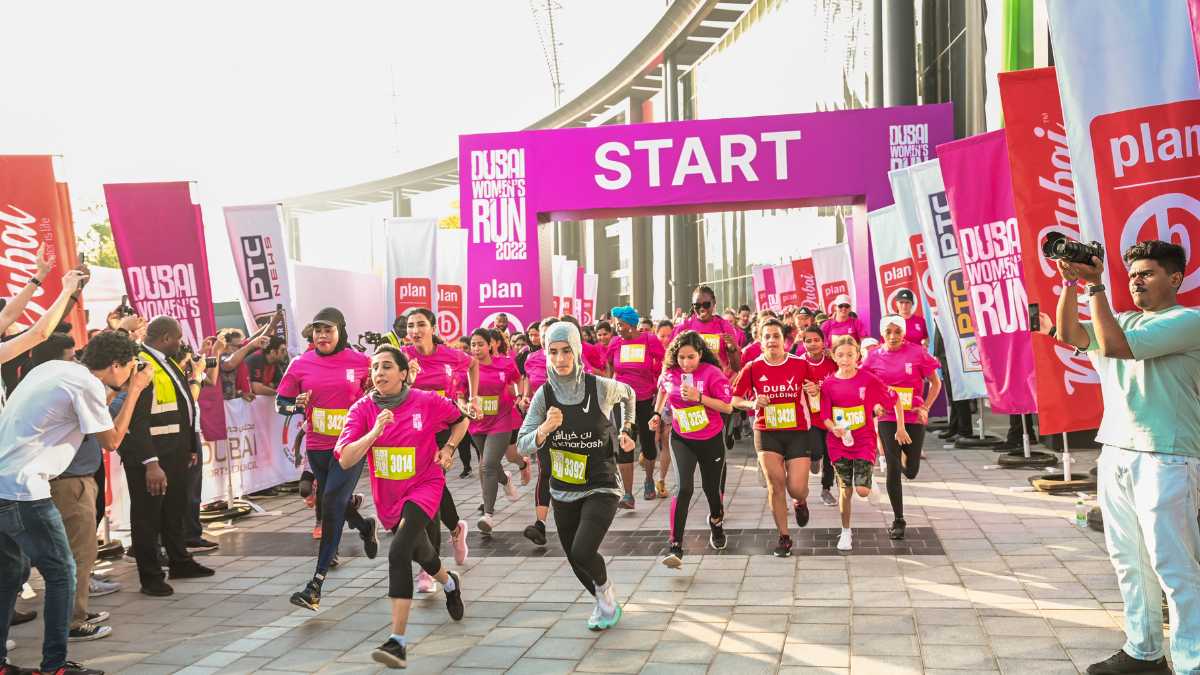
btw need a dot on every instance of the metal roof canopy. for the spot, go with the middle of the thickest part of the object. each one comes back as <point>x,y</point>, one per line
<point>687,30</point>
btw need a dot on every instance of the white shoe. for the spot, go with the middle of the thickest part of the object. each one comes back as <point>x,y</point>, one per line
<point>10,645</point>
<point>844,541</point>
<point>485,524</point>
<point>425,583</point>
<point>510,488</point>
<point>98,587</point>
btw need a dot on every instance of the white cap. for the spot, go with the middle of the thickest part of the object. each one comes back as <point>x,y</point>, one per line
<point>842,299</point>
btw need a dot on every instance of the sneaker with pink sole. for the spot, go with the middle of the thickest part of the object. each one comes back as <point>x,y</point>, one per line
<point>458,539</point>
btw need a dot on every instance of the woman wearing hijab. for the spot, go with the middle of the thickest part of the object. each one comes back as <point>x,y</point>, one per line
<point>569,419</point>
<point>636,359</point>
<point>324,382</point>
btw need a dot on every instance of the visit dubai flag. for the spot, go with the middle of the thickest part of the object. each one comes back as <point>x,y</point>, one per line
<point>1127,75</point>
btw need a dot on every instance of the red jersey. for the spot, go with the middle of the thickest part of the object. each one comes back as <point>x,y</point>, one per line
<point>783,384</point>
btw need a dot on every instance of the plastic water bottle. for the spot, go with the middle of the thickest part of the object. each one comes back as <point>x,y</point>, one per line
<point>1081,513</point>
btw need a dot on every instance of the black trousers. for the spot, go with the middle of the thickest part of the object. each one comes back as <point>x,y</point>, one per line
<point>709,455</point>
<point>960,411</point>
<point>192,529</point>
<point>162,516</point>
<point>1015,431</point>
<point>582,525</point>
<point>410,542</point>
<point>912,460</point>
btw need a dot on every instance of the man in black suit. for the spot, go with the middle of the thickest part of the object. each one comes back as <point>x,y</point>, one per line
<point>163,442</point>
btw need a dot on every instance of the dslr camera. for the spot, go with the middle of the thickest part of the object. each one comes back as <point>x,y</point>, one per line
<point>1058,246</point>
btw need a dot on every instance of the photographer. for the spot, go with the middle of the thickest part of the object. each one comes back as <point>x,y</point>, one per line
<point>1149,469</point>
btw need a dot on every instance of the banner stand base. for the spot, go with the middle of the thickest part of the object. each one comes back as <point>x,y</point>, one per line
<point>233,510</point>
<point>1016,459</point>
<point>977,443</point>
<point>1054,483</point>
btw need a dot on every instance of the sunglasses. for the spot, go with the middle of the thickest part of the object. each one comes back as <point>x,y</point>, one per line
<point>707,304</point>
<point>844,306</point>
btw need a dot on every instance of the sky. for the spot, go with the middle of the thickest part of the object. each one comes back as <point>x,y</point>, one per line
<point>257,101</point>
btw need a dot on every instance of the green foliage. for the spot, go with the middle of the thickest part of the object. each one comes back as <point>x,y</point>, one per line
<point>97,245</point>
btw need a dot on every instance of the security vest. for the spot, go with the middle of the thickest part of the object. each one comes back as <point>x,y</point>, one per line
<point>166,417</point>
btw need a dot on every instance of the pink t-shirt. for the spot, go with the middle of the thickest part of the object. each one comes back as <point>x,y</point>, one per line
<point>535,370</point>
<point>495,391</point>
<point>637,363</point>
<point>691,419</point>
<point>915,329</point>
<point>853,401</point>
<point>593,358</point>
<point>403,461</point>
<point>713,331</point>
<point>336,382</point>
<point>904,370</point>
<point>439,368</point>
<point>851,326</point>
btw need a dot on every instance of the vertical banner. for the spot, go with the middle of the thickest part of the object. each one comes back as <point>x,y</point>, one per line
<point>556,289</point>
<point>451,282</point>
<point>895,269</point>
<point>1129,91</point>
<point>35,211</point>
<point>411,264</point>
<point>763,279</point>
<point>979,191</point>
<point>256,239</point>
<point>157,237</point>
<point>566,282</point>
<point>785,285</point>
<point>920,188</point>
<point>579,272</point>
<point>1068,387</point>
<point>835,274</point>
<point>806,283</point>
<point>591,284</point>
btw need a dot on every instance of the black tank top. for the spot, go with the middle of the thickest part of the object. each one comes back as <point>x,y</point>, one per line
<point>581,449</point>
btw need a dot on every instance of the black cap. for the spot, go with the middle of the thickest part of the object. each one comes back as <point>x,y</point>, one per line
<point>905,294</point>
<point>805,311</point>
<point>330,316</point>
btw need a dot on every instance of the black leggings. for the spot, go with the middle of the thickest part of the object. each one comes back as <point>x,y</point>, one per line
<point>410,542</point>
<point>582,525</point>
<point>644,410</point>
<point>541,496</point>
<point>709,455</point>
<point>912,460</point>
<point>464,451</point>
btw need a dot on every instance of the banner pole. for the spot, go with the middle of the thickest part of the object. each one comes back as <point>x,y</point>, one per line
<point>1025,436</point>
<point>1066,458</point>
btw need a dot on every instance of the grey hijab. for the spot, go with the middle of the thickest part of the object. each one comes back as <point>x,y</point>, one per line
<point>567,388</point>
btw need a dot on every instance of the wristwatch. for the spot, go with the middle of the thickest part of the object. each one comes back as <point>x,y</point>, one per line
<point>1095,288</point>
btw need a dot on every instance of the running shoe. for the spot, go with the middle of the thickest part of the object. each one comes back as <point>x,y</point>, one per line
<point>485,524</point>
<point>716,536</point>
<point>356,500</point>
<point>317,532</point>
<point>454,601</point>
<point>827,498</point>
<point>88,631</point>
<point>648,489</point>
<point>845,541</point>
<point>201,544</point>
<point>510,488</point>
<point>896,531</point>
<point>458,539</point>
<point>69,668</point>
<point>370,537</point>
<point>306,487</point>
<point>660,486</point>
<point>674,558</point>
<point>784,548</point>
<point>626,501</point>
<point>594,619</point>
<point>309,598</point>
<point>536,533</point>
<point>606,622</point>
<point>1122,662</point>
<point>801,509</point>
<point>99,587</point>
<point>98,617</point>
<point>391,654</point>
<point>526,473</point>
<point>425,583</point>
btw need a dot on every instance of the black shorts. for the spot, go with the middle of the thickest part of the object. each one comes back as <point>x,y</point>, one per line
<point>790,444</point>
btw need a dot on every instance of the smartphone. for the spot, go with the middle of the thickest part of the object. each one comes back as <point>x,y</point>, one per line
<point>687,380</point>
<point>1035,321</point>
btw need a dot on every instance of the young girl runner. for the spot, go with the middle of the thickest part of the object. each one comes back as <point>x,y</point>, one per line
<point>636,359</point>
<point>569,419</point>
<point>772,385</point>
<point>820,366</point>
<point>698,392</point>
<point>395,428</point>
<point>906,367</point>
<point>498,379</point>
<point>851,401</point>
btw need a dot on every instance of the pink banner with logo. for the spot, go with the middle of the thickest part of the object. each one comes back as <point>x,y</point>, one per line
<point>979,190</point>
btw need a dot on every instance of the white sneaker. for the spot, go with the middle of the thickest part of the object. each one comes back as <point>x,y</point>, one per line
<point>510,488</point>
<point>425,583</point>
<point>844,541</point>
<point>98,587</point>
<point>485,524</point>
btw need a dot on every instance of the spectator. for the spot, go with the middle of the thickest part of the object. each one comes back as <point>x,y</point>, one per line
<point>266,367</point>
<point>14,349</point>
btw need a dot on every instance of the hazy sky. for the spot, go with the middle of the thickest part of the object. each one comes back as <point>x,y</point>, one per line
<point>262,100</point>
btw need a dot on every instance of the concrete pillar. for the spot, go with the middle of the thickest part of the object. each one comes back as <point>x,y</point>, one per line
<point>401,205</point>
<point>900,56</point>
<point>877,53</point>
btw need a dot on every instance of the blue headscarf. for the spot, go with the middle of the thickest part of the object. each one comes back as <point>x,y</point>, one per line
<point>626,315</point>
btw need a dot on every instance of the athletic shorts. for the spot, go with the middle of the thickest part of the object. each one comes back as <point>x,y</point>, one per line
<point>790,444</point>
<point>854,472</point>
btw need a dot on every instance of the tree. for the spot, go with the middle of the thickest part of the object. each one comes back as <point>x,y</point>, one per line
<point>98,247</point>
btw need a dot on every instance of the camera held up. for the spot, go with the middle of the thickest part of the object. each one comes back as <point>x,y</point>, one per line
<point>1058,246</point>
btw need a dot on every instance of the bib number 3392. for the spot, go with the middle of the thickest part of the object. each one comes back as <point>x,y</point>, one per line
<point>568,467</point>
<point>394,463</point>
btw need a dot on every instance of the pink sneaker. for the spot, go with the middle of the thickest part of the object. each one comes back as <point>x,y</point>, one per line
<point>425,583</point>
<point>458,538</point>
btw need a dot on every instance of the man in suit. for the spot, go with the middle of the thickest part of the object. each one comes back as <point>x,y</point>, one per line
<point>163,442</point>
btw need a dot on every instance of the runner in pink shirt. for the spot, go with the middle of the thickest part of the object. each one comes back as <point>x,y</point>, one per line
<point>851,402</point>
<point>915,330</point>
<point>498,380</point>
<point>636,358</point>
<point>724,339</point>
<point>811,347</point>
<point>699,395</point>
<point>841,323</point>
<point>396,428</point>
<point>905,367</point>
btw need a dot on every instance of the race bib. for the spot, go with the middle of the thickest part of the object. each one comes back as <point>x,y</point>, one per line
<point>633,353</point>
<point>780,415</point>
<point>568,467</point>
<point>441,392</point>
<point>852,418</point>
<point>328,421</point>
<point>691,420</point>
<point>906,396</point>
<point>713,340</point>
<point>394,463</point>
<point>490,404</point>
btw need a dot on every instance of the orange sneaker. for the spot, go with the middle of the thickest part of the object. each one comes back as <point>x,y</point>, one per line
<point>317,532</point>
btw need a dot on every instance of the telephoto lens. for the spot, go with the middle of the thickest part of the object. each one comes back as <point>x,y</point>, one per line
<point>1058,246</point>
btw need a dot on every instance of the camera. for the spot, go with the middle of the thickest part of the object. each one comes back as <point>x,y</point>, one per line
<point>370,338</point>
<point>1058,246</point>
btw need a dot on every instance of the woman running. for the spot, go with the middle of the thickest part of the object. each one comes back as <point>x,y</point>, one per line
<point>396,428</point>
<point>533,370</point>
<point>905,367</point>
<point>851,402</point>
<point>636,359</point>
<point>325,381</point>
<point>502,349</point>
<point>773,386</point>
<point>569,418</point>
<point>820,366</point>
<point>498,379</point>
<point>698,392</point>
<point>842,323</point>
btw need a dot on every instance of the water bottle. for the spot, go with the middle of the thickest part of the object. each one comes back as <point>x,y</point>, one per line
<point>1081,513</point>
